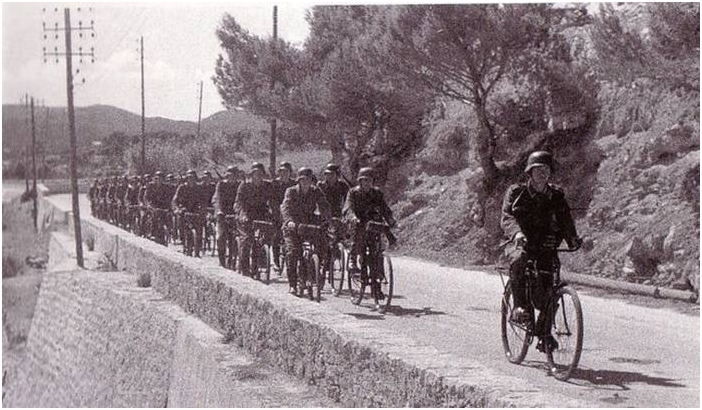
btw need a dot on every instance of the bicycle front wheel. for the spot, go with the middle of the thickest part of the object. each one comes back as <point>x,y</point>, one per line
<point>266,260</point>
<point>387,281</point>
<point>337,266</point>
<point>515,336</point>
<point>318,276</point>
<point>567,328</point>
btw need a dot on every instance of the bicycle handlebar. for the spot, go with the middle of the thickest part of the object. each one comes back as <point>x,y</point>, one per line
<point>507,242</point>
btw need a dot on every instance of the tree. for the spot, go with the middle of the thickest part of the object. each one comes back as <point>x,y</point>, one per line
<point>243,75</point>
<point>668,56</point>
<point>463,52</point>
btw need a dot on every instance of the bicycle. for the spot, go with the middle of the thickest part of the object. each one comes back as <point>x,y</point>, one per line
<point>158,218</point>
<point>336,259</point>
<point>309,273</point>
<point>260,259</point>
<point>230,247</point>
<point>375,269</point>
<point>192,235</point>
<point>134,219</point>
<point>561,310</point>
<point>210,232</point>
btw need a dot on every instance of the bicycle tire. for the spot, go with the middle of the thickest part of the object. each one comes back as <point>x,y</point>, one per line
<point>563,361</point>
<point>515,350</point>
<point>387,282</point>
<point>359,283</point>
<point>233,252</point>
<point>267,258</point>
<point>337,268</point>
<point>253,261</point>
<point>318,277</point>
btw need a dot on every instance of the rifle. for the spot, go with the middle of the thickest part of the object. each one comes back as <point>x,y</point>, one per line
<point>218,174</point>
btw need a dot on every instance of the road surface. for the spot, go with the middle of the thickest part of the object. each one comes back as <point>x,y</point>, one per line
<point>633,356</point>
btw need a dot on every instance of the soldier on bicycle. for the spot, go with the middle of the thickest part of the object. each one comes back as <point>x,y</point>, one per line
<point>188,198</point>
<point>364,203</point>
<point>131,199</point>
<point>157,196</point>
<point>280,185</point>
<point>92,195</point>
<point>536,216</point>
<point>298,207</point>
<point>224,198</point>
<point>254,201</point>
<point>120,191</point>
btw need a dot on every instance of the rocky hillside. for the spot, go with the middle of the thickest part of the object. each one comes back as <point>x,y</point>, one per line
<point>636,192</point>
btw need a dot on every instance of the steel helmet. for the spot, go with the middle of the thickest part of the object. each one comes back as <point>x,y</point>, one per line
<point>191,172</point>
<point>304,172</point>
<point>366,172</point>
<point>257,166</point>
<point>285,165</point>
<point>539,159</point>
<point>232,168</point>
<point>332,168</point>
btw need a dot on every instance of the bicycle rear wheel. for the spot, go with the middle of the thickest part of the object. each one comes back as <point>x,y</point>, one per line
<point>515,336</point>
<point>337,266</point>
<point>567,329</point>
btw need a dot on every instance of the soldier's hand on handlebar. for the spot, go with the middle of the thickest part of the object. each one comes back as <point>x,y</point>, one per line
<point>520,240</point>
<point>575,243</point>
<point>291,225</point>
<point>392,222</point>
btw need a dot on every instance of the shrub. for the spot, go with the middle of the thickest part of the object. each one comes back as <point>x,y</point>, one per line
<point>143,280</point>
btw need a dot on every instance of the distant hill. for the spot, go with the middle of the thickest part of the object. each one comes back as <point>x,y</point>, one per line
<point>97,122</point>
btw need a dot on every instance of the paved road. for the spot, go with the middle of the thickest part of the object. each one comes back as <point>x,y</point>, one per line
<point>632,356</point>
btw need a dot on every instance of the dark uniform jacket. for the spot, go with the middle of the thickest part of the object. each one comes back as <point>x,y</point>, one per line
<point>120,191</point>
<point>225,196</point>
<point>92,192</point>
<point>207,190</point>
<point>336,195</point>
<point>142,191</point>
<point>102,191</point>
<point>537,215</point>
<point>366,206</point>
<point>131,197</point>
<point>299,208</point>
<point>188,198</point>
<point>111,191</point>
<point>158,196</point>
<point>254,202</point>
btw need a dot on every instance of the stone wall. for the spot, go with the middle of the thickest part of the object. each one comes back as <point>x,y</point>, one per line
<point>356,364</point>
<point>97,340</point>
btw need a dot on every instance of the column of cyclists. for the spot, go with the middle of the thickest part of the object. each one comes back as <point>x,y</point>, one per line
<point>317,233</point>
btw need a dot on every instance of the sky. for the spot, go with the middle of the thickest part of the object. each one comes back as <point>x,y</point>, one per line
<point>180,50</point>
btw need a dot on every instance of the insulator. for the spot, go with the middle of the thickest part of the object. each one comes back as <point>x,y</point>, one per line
<point>77,70</point>
<point>84,81</point>
<point>92,60</point>
<point>78,8</point>
<point>56,37</point>
<point>92,34</point>
<point>80,34</point>
<point>45,37</point>
<point>56,60</point>
<point>44,60</point>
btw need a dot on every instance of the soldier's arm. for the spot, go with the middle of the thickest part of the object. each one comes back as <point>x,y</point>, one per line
<point>177,198</point>
<point>323,205</point>
<point>349,210</point>
<point>508,222</point>
<point>286,207</point>
<point>565,219</point>
<point>217,198</point>
<point>385,210</point>
<point>240,201</point>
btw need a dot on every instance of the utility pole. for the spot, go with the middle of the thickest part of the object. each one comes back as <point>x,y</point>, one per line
<point>273,120</point>
<point>143,118</point>
<point>199,113</point>
<point>26,150</point>
<point>34,169</point>
<point>67,29</point>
